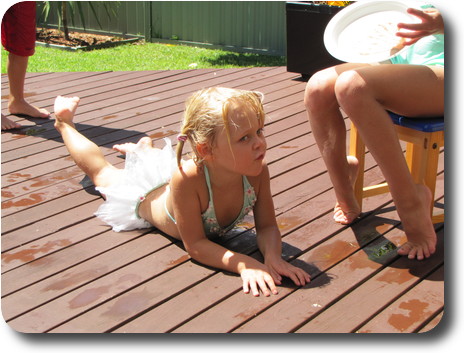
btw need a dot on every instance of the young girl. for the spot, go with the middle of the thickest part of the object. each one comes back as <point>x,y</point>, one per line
<point>197,199</point>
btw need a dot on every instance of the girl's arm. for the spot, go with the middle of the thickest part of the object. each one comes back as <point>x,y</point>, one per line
<point>255,275</point>
<point>269,237</point>
<point>187,212</point>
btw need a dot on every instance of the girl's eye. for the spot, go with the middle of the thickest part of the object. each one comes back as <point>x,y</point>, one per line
<point>259,132</point>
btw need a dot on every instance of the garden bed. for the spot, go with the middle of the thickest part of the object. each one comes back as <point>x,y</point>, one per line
<point>79,40</point>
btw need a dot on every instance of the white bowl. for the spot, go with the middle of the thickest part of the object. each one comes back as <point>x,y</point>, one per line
<point>365,31</point>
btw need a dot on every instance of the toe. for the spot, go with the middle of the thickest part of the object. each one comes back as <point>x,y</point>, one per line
<point>404,249</point>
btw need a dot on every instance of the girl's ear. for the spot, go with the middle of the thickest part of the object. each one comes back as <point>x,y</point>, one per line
<point>204,150</point>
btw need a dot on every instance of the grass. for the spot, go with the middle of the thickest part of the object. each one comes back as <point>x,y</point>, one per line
<point>145,56</point>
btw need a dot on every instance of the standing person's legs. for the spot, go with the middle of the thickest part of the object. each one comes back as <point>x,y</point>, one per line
<point>17,104</point>
<point>365,94</point>
<point>8,124</point>
<point>18,38</point>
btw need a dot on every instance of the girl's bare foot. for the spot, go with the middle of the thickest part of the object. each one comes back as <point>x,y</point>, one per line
<point>8,124</point>
<point>21,107</point>
<point>347,212</point>
<point>144,142</point>
<point>65,108</point>
<point>419,229</point>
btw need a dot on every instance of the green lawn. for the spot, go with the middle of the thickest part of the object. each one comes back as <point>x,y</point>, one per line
<point>146,56</point>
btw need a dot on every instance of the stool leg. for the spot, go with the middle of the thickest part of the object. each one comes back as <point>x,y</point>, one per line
<point>416,158</point>
<point>358,150</point>
<point>422,156</point>
<point>430,178</point>
<point>433,154</point>
<point>422,161</point>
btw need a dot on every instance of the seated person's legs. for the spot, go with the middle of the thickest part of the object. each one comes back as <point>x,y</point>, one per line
<point>329,131</point>
<point>365,94</point>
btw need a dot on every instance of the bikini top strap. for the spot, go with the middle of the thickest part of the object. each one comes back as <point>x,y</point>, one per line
<point>208,182</point>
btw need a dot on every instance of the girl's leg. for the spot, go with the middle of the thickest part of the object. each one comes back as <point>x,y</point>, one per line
<point>144,142</point>
<point>329,131</point>
<point>85,153</point>
<point>365,94</point>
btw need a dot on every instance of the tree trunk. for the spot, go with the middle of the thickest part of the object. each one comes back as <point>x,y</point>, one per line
<point>64,17</point>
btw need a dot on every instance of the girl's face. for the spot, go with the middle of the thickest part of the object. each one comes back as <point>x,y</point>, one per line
<point>244,153</point>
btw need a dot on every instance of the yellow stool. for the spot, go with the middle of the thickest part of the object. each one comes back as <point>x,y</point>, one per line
<point>424,137</point>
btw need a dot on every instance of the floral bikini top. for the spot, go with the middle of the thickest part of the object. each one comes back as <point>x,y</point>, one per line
<point>210,222</point>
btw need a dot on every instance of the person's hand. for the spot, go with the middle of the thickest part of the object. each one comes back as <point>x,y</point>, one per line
<point>256,280</point>
<point>280,267</point>
<point>431,23</point>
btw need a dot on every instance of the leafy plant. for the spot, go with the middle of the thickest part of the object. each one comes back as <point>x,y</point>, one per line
<point>339,3</point>
<point>332,3</point>
<point>67,9</point>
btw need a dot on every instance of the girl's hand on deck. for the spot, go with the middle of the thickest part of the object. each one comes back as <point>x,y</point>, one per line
<point>280,267</point>
<point>256,280</point>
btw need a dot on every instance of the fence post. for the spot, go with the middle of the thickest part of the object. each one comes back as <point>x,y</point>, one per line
<point>147,7</point>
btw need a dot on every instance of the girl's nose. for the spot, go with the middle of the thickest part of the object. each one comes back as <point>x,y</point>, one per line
<point>260,141</point>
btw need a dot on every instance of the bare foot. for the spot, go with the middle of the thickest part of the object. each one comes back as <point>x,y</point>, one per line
<point>8,124</point>
<point>65,108</point>
<point>21,107</point>
<point>347,212</point>
<point>419,229</point>
<point>144,142</point>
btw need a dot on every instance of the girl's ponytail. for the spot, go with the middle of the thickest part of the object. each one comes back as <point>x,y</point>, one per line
<point>181,138</point>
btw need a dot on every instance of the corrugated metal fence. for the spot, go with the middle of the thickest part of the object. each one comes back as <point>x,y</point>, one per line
<point>256,26</point>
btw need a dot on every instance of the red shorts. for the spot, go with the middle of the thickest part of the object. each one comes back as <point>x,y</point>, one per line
<point>19,29</point>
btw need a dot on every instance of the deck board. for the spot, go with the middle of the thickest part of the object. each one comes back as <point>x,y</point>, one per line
<point>63,270</point>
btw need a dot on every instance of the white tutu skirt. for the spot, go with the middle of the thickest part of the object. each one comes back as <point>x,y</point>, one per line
<point>145,170</point>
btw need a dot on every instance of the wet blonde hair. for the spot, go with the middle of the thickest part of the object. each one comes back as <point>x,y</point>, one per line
<point>209,110</point>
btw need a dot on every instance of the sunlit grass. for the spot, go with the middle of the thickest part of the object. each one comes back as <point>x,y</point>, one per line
<point>147,56</point>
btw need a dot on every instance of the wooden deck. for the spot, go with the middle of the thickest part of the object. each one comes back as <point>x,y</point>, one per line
<point>63,270</point>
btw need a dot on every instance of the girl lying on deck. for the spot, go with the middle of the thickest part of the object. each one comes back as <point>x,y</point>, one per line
<point>197,199</point>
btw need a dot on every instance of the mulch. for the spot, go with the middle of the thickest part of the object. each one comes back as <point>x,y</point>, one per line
<point>76,39</point>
